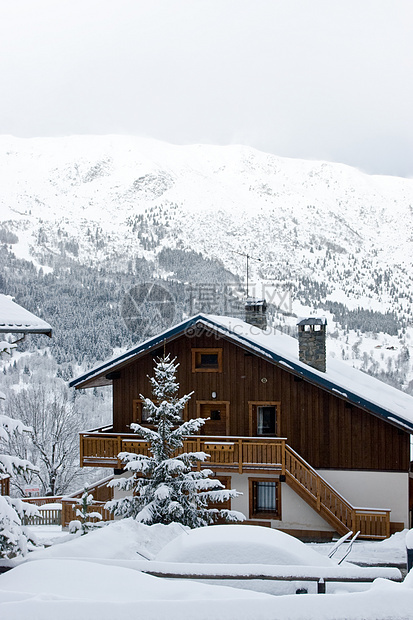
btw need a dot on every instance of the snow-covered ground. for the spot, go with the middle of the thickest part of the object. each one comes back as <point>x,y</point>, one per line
<point>100,576</point>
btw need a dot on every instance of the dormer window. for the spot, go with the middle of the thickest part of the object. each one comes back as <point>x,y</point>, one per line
<point>206,360</point>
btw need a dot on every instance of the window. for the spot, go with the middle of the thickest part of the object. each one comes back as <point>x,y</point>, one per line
<point>140,414</point>
<point>206,360</point>
<point>264,498</point>
<point>145,413</point>
<point>226,481</point>
<point>264,418</point>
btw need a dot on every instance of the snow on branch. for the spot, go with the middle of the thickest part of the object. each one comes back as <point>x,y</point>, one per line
<point>9,426</point>
<point>7,347</point>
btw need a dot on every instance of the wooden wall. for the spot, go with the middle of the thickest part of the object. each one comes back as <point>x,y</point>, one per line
<point>321,427</point>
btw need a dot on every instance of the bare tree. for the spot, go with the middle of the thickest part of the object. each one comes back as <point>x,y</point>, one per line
<point>52,441</point>
<point>14,536</point>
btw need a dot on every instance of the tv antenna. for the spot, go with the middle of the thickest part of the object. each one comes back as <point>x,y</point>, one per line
<point>248,257</point>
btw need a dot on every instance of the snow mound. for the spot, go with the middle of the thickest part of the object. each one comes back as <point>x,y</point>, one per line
<point>120,540</point>
<point>78,580</point>
<point>408,580</point>
<point>68,589</point>
<point>240,544</point>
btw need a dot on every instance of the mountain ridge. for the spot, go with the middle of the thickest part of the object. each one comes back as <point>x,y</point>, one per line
<point>140,195</point>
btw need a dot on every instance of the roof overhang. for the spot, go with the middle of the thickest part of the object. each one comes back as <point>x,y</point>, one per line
<point>103,375</point>
<point>15,319</point>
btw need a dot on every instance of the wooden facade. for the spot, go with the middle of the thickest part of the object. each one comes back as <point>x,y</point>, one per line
<point>323,428</point>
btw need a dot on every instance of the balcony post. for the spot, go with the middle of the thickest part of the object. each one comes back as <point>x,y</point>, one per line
<point>353,521</point>
<point>318,485</point>
<point>240,456</point>
<point>387,518</point>
<point>119,449</point>
<point>283,467</point>
<point>81,449</point>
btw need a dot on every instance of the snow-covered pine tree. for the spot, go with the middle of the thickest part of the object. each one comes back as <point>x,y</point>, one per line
<point>166,486</point>
<point>14,535</point>
<point>84,524</point>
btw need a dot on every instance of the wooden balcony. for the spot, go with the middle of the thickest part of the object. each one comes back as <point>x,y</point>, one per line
<point>99,448</point>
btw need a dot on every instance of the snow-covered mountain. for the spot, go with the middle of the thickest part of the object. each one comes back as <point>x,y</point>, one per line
<point>326,222</point>
<point>326,232</point>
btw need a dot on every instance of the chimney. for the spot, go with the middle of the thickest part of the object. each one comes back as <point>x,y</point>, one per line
<point>255,312</point>
<point>312,342</point>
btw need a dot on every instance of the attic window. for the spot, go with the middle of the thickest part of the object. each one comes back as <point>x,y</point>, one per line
<point>206,360</point>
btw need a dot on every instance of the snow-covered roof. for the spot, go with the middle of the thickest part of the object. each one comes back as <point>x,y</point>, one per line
<point>15,319</point>
<point>344,381</point>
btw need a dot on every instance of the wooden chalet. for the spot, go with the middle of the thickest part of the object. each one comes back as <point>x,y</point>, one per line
<point>317,448</point>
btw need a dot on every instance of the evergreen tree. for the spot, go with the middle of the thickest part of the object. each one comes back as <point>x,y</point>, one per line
<point>14,536</point>
<point>166,486</point>
<point>84,525</point>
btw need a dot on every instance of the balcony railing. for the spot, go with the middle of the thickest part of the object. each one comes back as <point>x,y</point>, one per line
<point>100,449</point>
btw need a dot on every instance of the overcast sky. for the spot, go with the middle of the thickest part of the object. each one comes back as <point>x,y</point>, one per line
<point>318,79</point>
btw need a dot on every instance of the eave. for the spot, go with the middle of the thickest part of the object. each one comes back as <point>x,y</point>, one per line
<point>98,376</point>
<point>14,319</point>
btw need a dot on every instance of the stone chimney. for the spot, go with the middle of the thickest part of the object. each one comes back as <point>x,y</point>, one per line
<point>255,312</point>
<point>312,342</point>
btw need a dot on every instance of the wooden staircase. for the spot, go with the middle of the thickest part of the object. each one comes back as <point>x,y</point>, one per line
<point>324,499</point>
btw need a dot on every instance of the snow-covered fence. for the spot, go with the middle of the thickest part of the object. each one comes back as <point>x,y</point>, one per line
<point>66,512</point>
<point>100,490</point>
<point>319,574</point>
<point>69,507</point>
<point>40,501</point>
<point>49,514</point>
